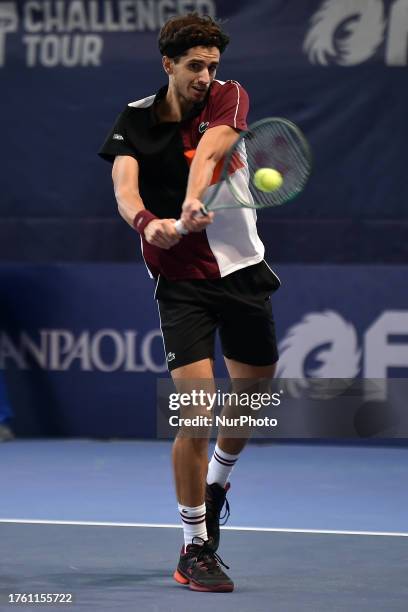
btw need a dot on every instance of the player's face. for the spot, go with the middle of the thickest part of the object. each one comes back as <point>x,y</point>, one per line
<point>194,72</point>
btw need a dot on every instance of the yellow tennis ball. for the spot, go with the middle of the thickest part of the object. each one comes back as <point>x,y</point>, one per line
<point>267,179</point>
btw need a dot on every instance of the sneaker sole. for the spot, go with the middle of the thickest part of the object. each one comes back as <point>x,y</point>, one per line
<point>180,578</point>
<point>194,586</point>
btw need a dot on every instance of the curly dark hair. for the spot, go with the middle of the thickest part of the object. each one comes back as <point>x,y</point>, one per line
<point>181,33</point>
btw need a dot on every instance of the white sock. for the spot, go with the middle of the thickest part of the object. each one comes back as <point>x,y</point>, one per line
<point>193,519</point>
<point>220,466</point>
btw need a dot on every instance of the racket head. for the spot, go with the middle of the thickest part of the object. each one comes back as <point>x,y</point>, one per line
<point>274,143</point>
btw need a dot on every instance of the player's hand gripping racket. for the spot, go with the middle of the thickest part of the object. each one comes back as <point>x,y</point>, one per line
<point>268,165</point>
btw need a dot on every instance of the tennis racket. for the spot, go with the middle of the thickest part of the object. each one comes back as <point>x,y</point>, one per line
<point>270,144</point>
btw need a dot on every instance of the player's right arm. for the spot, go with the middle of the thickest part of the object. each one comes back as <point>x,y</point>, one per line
<point>125,176</point>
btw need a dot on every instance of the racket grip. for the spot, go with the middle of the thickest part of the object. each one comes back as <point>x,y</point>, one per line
<point>180,229</point>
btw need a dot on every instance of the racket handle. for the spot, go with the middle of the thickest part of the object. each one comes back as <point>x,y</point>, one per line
<point>180,229</point>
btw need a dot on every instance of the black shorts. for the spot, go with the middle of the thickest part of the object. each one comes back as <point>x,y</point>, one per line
<point>238,305</point>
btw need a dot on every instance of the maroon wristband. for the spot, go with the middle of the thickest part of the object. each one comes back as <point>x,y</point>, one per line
<point>142,219</point>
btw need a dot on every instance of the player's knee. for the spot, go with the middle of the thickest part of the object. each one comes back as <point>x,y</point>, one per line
<point>189,444</point>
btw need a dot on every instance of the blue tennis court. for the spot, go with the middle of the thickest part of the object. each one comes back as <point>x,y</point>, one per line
<point>313,527</point>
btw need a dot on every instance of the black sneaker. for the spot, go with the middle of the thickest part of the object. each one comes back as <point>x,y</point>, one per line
<point>200,568</point>
<point>215,498</point>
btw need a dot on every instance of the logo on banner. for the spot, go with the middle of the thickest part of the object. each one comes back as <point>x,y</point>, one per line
<point>325,345</point>
<point>334,342</point>
<point>349,32</point>
<point>70,33</point>
<point>60,350</point>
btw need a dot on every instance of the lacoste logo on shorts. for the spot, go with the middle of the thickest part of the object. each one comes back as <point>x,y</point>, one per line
<point>203,126</point>
<point>117,137</point>
<point>170,357</point>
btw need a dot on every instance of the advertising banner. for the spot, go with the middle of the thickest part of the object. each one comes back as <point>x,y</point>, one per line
<point>337,68</point>
<point>82,352</point>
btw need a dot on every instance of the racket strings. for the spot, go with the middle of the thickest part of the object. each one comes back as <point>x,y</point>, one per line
<point>275,144</point>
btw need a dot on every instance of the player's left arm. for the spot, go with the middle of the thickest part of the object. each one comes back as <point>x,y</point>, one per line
<point>211,149</point>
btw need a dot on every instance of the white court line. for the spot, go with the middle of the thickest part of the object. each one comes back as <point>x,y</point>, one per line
<point>394,534</point>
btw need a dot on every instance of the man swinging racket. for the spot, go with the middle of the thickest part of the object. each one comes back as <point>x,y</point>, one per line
<point>167,150</point>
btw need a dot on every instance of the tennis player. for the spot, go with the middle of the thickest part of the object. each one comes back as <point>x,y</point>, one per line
<point>167,150</point>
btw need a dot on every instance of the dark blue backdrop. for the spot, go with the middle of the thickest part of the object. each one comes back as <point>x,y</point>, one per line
<point>338,69</point>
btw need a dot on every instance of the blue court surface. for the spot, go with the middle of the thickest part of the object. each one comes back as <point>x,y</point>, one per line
<point>313,528</point>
